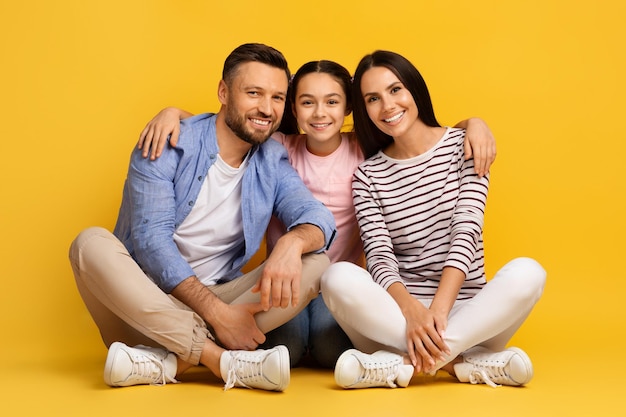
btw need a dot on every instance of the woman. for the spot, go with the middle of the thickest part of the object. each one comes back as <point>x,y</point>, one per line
<point>424,303</point>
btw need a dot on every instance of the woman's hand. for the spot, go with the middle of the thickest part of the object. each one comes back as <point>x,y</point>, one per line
<point>424,342</point>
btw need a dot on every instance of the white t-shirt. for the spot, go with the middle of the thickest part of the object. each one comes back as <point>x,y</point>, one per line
<point>211,235</point>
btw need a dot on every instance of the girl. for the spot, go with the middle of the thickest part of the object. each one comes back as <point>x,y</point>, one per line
<point>319,98</point>
<point>424,303</point>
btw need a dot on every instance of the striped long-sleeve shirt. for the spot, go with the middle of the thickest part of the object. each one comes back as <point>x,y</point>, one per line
<point>418,215</point>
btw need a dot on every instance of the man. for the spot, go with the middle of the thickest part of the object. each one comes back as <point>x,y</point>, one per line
<point>169,280</point>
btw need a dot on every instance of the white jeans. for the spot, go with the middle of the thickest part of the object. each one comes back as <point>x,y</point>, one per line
<point>373,321</point>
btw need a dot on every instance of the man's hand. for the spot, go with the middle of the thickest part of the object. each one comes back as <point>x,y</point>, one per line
<point>236,328</point>
<point>234,325</point>
<point>280,283</point>
<point>479,144</point>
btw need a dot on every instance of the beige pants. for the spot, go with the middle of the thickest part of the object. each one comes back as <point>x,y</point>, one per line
<point>128,307</point>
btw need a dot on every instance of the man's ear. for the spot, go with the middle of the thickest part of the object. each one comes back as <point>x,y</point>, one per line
<point>222,92</point>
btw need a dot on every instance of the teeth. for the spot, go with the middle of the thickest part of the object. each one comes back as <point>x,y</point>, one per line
<point>260,122</point>
<point>319,125</point>
<point>394,118</point>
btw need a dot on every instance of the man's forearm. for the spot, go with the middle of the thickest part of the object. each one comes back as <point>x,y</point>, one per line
<point>199,298</point>
<point>306,237</point>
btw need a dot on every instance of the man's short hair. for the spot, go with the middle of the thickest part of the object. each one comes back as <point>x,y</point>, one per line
<point>253,52</point>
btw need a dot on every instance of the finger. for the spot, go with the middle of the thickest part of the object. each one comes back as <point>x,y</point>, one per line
<point>277,293</point>
<point>413,356</point>
<point>295,292</point>
<point>423,352</point>
<point>142,136</point>
<point>441,331</point>
<point>259,337</point>
<point>419,366</point>
<point>161,144</point>
<point>484,168</point>
<point>427,352</point>
<point>431,344</point>
<point>265,288</point>
<point>147,140</point>
<point>492,157</point>
<point>285,296</point>
<point>254,308</point>
<point>155,145</point>
<point>175,134</point>
<point>479,161</point>
<point>468,149</point>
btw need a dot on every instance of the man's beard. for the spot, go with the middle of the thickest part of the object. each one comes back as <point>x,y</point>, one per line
<point>237,124</point>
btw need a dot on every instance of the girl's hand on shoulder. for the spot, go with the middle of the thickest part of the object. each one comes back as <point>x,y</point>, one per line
<point>164,127</point>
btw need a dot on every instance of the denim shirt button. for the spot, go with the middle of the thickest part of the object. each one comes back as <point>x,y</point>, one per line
<point>212,156</point>
<point>190,203</point>
<point>200,178</point>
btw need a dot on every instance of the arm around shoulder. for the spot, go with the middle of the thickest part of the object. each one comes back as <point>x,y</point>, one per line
<point>479,144</point>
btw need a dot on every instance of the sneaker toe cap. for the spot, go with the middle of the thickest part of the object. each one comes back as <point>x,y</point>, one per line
<point>348,370</point>
<point>520,369</point>
<point>276,368</point>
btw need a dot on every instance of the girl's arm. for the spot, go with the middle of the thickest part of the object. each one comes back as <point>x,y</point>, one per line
<point>479,144</point>
<point>166,124</point>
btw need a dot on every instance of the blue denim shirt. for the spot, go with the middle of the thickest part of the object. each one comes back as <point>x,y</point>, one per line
<point>158,196</point>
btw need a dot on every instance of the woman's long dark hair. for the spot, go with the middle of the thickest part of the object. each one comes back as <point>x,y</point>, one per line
<point>369,136</point>
<point>289,124</point>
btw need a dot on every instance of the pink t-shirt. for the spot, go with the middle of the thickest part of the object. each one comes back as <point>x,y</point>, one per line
<point>330,180</point>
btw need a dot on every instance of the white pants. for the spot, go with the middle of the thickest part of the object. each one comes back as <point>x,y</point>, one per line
<point>373,321</point>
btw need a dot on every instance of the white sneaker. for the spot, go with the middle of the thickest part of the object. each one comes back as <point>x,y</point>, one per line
<point>263,369</point>
<point>138,365</point>
<point>356,369</point>
<point>509,367</point>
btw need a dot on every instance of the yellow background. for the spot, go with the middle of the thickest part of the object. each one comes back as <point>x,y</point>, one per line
<point>79,80</point>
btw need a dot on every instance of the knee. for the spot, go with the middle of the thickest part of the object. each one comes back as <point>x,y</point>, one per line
<point>337,278</point>
<point>313,266</point>
<point>81,241</point>
<point>530,275</point>
<point>339,283</point>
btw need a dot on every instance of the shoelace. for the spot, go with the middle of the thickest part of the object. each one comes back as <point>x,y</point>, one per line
<point>486,374</point>
<point>376,372</point>
<point>150,367</point>
<point>243,370</point>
